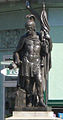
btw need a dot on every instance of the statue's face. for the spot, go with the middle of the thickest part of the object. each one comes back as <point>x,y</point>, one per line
<point>30,30</point>
<point>30,26</point>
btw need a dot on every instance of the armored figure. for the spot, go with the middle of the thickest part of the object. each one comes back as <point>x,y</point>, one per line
<point>33,57</point>
<point>28,57</point>
<point>45,41</point>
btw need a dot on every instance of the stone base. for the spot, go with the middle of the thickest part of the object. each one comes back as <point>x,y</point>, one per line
<point>20,100</point>
<point>31,115</point>
<point>34,109</point>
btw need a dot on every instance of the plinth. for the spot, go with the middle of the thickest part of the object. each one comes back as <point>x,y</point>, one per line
<point>33,115</point>
<point>29,113</point>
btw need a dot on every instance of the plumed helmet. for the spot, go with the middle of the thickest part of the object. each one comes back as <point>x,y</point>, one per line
<point>30,24</point>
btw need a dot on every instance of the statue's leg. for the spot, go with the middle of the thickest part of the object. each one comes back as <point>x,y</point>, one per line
<point>39,86</point>
<point>33,92</point>
<point>28,89</point>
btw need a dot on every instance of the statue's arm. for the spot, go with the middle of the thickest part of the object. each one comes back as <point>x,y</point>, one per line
<point>16,55</point>
<point>20,44</point>
<point>18,51</point>
<point>28,6</point>
<point>16,59</point>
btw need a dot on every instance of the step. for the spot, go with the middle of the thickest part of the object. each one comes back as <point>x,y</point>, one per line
<point>33,115</point>
<point>29,114</point>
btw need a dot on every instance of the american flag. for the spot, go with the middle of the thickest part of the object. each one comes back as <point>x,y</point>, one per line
<point>44,19</point>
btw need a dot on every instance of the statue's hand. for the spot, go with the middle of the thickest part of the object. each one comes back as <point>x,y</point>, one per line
<point>27,4</point>
<point>12,66</point>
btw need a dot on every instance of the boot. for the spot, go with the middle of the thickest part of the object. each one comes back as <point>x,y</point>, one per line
<point>41,103</point>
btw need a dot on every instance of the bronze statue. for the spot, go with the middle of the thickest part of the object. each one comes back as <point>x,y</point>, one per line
<point>45,39</point>
<point>33,56</point>
<point>29,52</point>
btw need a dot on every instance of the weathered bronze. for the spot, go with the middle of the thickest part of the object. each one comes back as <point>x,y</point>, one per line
<point>45,39</point>
<point>33,57</point>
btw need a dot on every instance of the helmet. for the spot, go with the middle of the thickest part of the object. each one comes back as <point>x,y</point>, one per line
<point>31,17</point>
<point>30,25</point>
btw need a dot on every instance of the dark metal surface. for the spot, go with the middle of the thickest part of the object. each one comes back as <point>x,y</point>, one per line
<point>33,57</point>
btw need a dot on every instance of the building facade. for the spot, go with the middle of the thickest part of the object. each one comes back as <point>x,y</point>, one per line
<point>12,27</point>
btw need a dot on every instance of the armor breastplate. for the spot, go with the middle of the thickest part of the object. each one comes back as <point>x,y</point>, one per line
<point>32,47</point>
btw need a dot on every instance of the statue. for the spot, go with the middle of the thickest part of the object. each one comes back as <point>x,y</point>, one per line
<point>32,56</point>
<point>45,38</point>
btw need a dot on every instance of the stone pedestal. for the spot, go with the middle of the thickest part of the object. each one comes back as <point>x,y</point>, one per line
<point>20,100</point>
<point>33,115</point>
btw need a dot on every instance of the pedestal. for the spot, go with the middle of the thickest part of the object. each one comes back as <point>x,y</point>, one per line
<point>33,115</point>
<point>20,100</point>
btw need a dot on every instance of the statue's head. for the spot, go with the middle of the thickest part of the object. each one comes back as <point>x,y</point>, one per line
<point>30,24</point>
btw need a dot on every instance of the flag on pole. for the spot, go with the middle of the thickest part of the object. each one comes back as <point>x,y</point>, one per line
<point>44,18</point>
